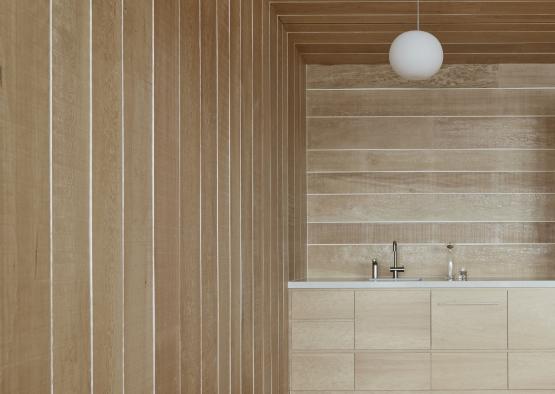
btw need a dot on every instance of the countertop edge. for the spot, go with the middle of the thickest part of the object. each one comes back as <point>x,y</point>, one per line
<point>421,284</point>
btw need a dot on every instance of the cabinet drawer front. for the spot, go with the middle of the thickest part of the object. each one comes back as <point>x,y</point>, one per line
<point>532,319</point>
<point>322,335</point>
<point>532,371</point>
<point>322,304</point>
<point>469,319</point>
<point>392,371</point>
<point>386,319</point>
<point>469,371</point>
<point>322,371</point>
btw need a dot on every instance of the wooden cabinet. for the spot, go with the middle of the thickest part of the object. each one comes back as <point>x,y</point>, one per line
<point>532,371</point>
<point>392,319</point>
<point>469,319</point>
<point>392,371</point>
<point>532,319</point>
<point>422,340</point>
<point>322,371</point>
<point>322,304</point>
<point>322,335</point>
<point>469,371</point>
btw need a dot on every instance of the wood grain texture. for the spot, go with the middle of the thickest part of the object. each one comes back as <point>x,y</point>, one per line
<point>467,102</point>
<point>431,182</point>
<point>434,233</point>
<point>513,160</point>
<point>478,316</point>
<point>24,170</point>
<point>235,196</point>
<point>70,192</point>
<point>138,186</point>
<point>209,194</point>
<point>450,76</point>
<point>431,207</point>
<point>392,371</point>
<point>322,305</point>
<point>384,322</point>
<point>322,371</point>
<point>247,200</point>
<point>531,371</point>
<point>430,132</point>
<point>190,276</point>
<point>482,371</point>
<point>531,319</point>
<point>167,196</point>
<point>223,187</point>
<point>107,195</point>
<point>322,335</point>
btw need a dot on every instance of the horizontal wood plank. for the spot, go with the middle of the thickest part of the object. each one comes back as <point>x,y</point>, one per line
<point>431,182</point>
<point>452,102</point>
<point>431,207</point>
<point>450,75</point>
<point>409,132</point>
<point>526,261</point>
<point>438,233</point>
<point>431,160</point>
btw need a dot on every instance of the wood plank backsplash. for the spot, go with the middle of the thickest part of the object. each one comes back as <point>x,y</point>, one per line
<point>465,158</point>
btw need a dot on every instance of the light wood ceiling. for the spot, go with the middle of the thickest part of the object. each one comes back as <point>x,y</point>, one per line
<point>335,31</point>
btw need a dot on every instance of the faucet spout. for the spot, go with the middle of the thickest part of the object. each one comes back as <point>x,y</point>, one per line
<point>395,269</point>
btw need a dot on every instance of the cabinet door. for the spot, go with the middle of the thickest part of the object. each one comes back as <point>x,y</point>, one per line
<point>322,304</point>
<point>532,319</point>
<point>392,371</point>
<point>532,371</point>
<point>469,371</point>
<point>322,371</point>
<point>322,335</point>
<point>469,319</point>
<point>392,319</point>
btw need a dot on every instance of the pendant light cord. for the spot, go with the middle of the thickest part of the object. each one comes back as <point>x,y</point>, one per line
<point>417,14</point>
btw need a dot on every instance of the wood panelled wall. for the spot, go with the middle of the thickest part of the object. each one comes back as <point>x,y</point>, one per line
<point>464,158</point>
<point>150,168</point>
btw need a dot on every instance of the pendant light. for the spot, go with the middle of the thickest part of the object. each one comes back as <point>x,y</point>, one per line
<point>416,55</point>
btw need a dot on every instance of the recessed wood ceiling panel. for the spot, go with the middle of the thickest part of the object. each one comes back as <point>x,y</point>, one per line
<point>337,31</point>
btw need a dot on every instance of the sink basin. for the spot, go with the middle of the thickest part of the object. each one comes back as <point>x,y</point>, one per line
<point>397,280</point>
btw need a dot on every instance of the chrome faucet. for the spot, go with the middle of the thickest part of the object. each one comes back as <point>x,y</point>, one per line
<point>395,269</point>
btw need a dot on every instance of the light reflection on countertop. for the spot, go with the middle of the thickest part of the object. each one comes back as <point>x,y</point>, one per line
<point>327,283</point>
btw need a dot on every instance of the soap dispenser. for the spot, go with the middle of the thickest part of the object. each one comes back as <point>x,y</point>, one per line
<point>450,262</point>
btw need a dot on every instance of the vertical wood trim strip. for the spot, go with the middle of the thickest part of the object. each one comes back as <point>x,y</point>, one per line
<point>24,170</point>
<point>209,195</point>
<point>166,200</point>
<point>137,74</point>
<point>235,196</point>
<point>223,170</point>
<point>191,315</point>
<point>247,356</point>
<point>70,193</point>
<point>107,197</point>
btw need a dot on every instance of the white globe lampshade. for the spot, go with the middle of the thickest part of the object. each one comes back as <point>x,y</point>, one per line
<point>416,55</point>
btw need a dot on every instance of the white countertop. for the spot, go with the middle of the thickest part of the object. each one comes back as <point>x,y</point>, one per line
<point>425,283</point>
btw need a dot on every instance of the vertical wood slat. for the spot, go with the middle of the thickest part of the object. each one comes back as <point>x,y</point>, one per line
<point>224,169</point>
<point>107,196</point>
<point>191,315</point>
<point>258,200</point>
<point>235,196</point>
<point>209,194</point>
<point>223,188</point>
<point>138,226</point>
<point>24,211</point>
<point>247,196</point>
<point>167,196</point>
<point>70,197</point>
